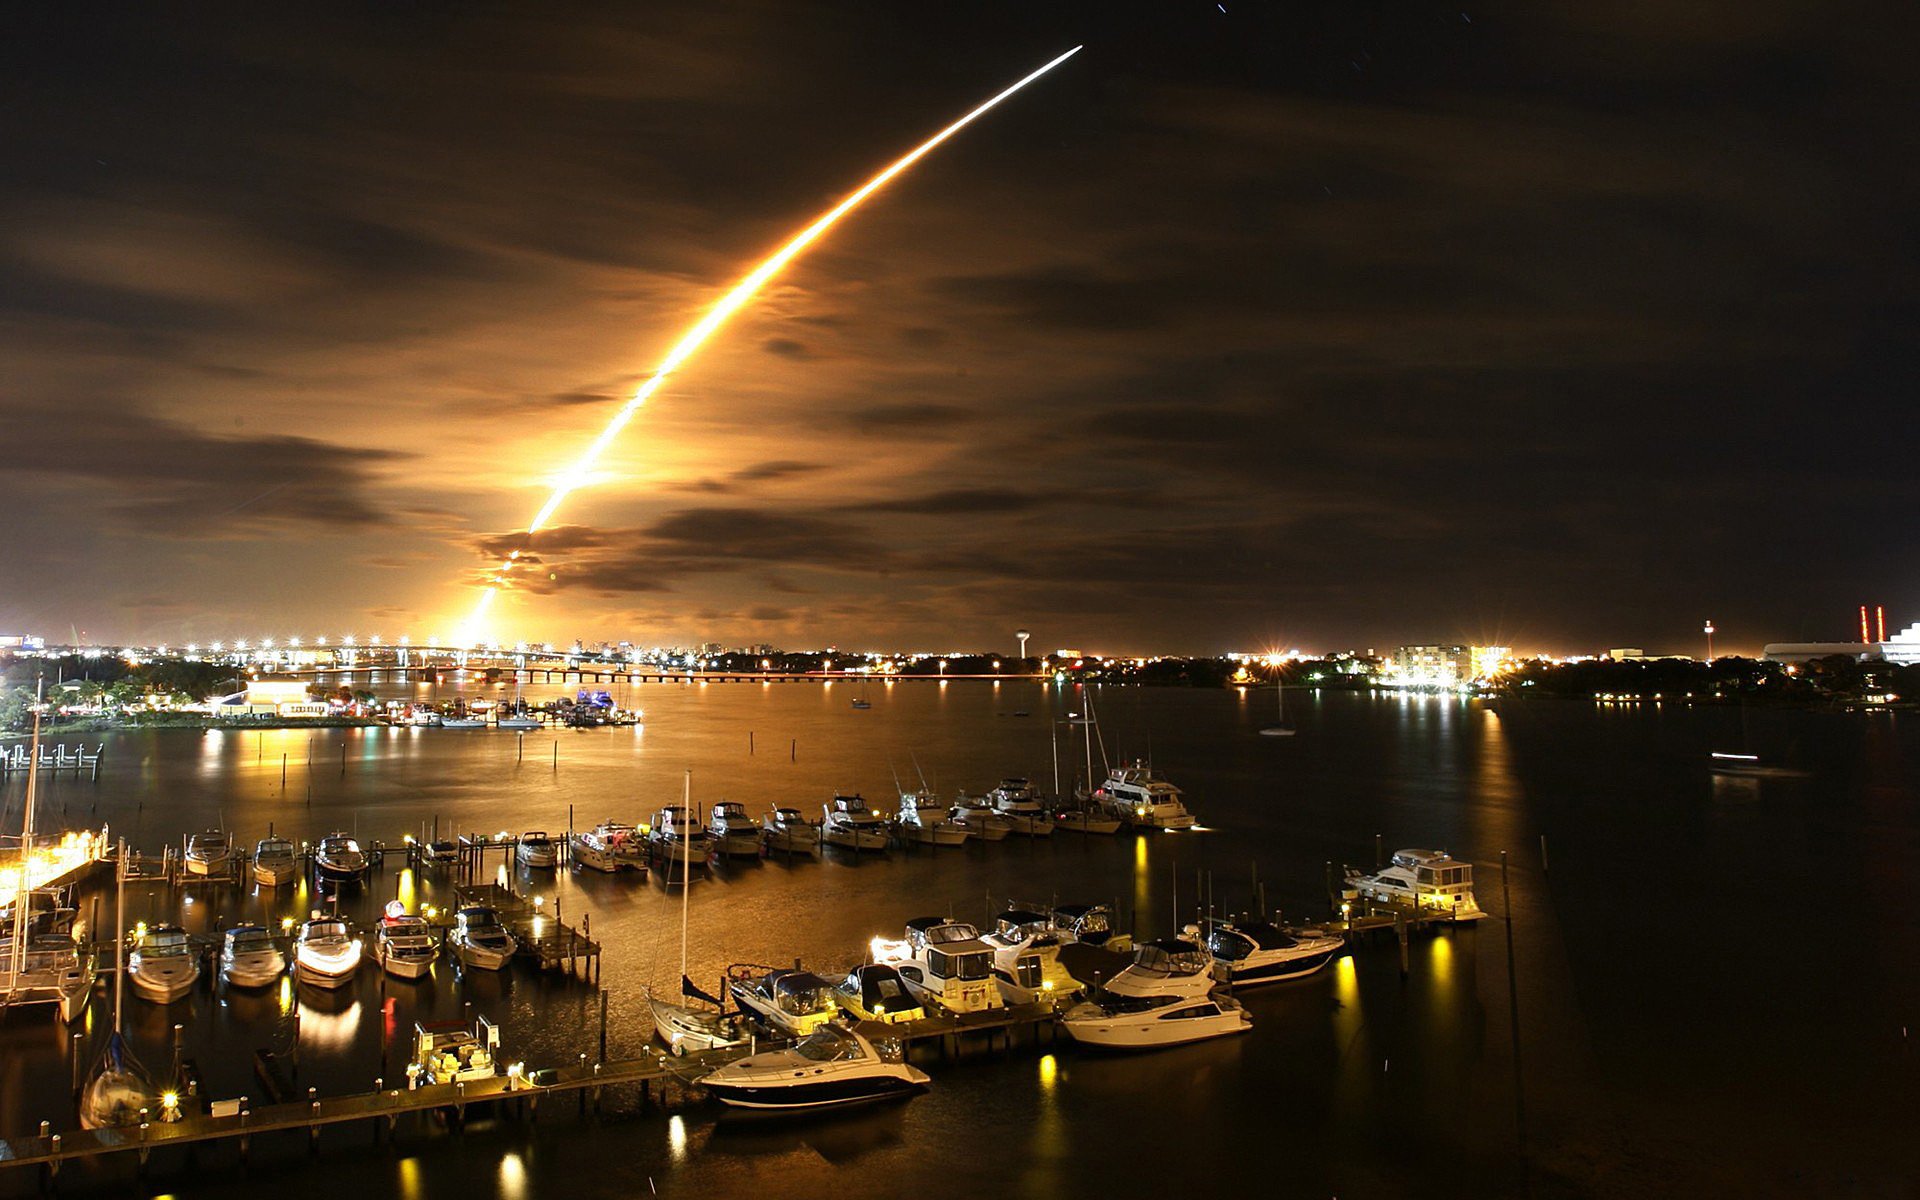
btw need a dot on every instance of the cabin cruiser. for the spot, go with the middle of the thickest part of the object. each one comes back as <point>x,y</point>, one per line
<point>1140,798</point>
<point>1149,1022</point>
<point>208,854</point>
<point>921,821</point>
<point>829,1068</point>
<point>979,818</point>
<point>325,952</point>
<point>405,944</point>
<point>733,831</point>
<point>610,846</point>
<point>876,992</point>
<point>703,1023</point>
<point>791,1002</point>
<point>444,1052</point>
<point>339,859</point>
<point>787,831</point>
<point>1258,952</point>
<point>1086,818</point>
<point>1026,957</point>
<point>945,964</point>
<point>536,851</point>
<point>274,862</point>
<point>679,841</point>
<point>251,958</point>
<point>1014,800</point>
<point>162,966</point>
<point>1427,880</point>
<point>54,970</point>
<point>1165,967</point>
<point>480,940</point>
<point>852,825</point>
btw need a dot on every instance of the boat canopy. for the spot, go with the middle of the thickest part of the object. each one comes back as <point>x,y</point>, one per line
<point>799,991</point>
<point>880,988</point>
<point>247,937</point>
<point>478,914</point>
<point>1170,956</point>
<point>940,930</point>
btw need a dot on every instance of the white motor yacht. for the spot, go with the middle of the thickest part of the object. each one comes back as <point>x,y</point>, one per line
<point>208,854</point>
<point>1149,1022</point>
<point>831,1068</point>
<point>275,863</point>
<point>536,851</point>
<point>162,966</point>
<point>733,831</point>
<point>325,952</point>
<point>680,843</point>
<point>610,846</point>
<point>338,859</point>
<point>1026,957</point>
<point>979,818</point>
<point>1142,799</point>
<point>1252,952</point>
<point>945,964</point>
<point>876,992</point>
<point>445,1052</point>
<point>852,824</point>
<point>791,1002</point>
<point>788,831</point>
<point>1014,800</point>
<point>405,945</point>
<point>922,821</point>
<point>1430,881</point>
<point>251,958</point>
<point>480,940</point>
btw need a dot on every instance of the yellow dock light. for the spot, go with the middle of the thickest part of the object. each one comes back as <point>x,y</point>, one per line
<point>139,931</point>
<point>286,924</point>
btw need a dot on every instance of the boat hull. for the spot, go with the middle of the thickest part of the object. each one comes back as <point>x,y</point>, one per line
<point>324,975</point>
<point>828,1093</point>
<point>779,842</point>
<point>853,839</point>
<point>481,958</point>
<point>163,985</point>
<point>273,875</point>
<point>1280,969</point>
<point>254,971</point>
<point>738,845</point>
<point>1145,1032</point>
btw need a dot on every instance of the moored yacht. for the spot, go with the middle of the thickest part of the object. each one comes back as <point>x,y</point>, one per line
<point>162,966</point>
<point>1428,880</point>
<point>208,854</point>
<point>1254,952</point>
<point>251,958</point>
<point>978,817</point>
<point>851,824</point>
<point>1014,800</point>
<point>1084,817</point>
<point>339,859</point>
<point>788,831</point>
<point>680,843</point>
<point>405,945</point>
<point>1026,957</point>
<point>876,992</point>
<point>1091,924</point>
<point>1164,967</point>
<point>922,821</point>
<point>1142,799</point>
<point>610,846</point>
<point>792,1002</point>
<point>733,831</point>
<point>325,952</point>
<point>830,1068</point>
<point>274,862</point>
<point>1150,1022</point>
<point>945,964</point>
<point>536,851</point>
<point>480,940</point>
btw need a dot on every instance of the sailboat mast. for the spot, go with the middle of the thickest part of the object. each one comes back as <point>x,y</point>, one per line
<point>686,871</point>
<point>25,894</point>
<point>1053,735</point>
<point>119,930</point>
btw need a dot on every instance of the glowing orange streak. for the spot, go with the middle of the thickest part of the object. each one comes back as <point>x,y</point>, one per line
<point>729,304</point>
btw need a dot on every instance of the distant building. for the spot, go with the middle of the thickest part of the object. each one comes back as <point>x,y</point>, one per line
<point>1435,659</point>
<point>1636,654</point>
<point>21,641</point>
<point>1902,648</point>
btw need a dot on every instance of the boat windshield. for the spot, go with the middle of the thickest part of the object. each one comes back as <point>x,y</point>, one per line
<point>249,939</point>
<point>953,931</point>
<point>1186,959</point>
<point>827,1045</point>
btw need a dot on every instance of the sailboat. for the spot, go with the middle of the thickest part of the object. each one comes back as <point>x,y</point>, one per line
<point>703,1023</point>
<point>518,718</point>
<point>118,1091</point>
<point>40,966</point>
<point>1283,727</point>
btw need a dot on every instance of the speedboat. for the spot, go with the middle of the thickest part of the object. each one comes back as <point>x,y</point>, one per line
<point>251,958</point>
<point>1149,1022</point>
<point>1142,799</point>
<point>921,821</point>
<point>405,944</point>
<point>274,862</point>
<point>1258,952</point>
<point>702,1023</point>
<point>876,992</point>
<point>787,831</point>
<point>945,964</point>
<point>480,940</point>
<point>1026,957</point>
<point>979,818</point>
<point>1086,818</point>
<point>733,831</point>
<point>679,842</point>
<point>1429,881</point>
<point>1014,800</point>
<point>162,966</point>
<point>792,1002</point>
<point>339,859</point>
<point>208,854</point>
<point>832,1067</point>
<point>325,952</point>
<point>852,825</point>
<point>536,851</point>
<point>444,1052</point>
<point>610,846</point>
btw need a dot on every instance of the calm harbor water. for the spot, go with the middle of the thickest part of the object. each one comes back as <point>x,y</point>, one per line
<point>1716,978</point>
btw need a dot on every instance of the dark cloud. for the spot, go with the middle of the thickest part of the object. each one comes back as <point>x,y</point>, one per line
<point>787,348</point>
<point>962,502</point>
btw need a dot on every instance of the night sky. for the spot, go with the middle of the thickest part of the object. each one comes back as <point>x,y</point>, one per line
<point>1322,323</point>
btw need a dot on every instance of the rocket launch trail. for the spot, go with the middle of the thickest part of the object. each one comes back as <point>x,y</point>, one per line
<point>709,324</point>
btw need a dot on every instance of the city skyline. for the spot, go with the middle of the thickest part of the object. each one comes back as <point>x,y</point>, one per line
<point>1242,329</point>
